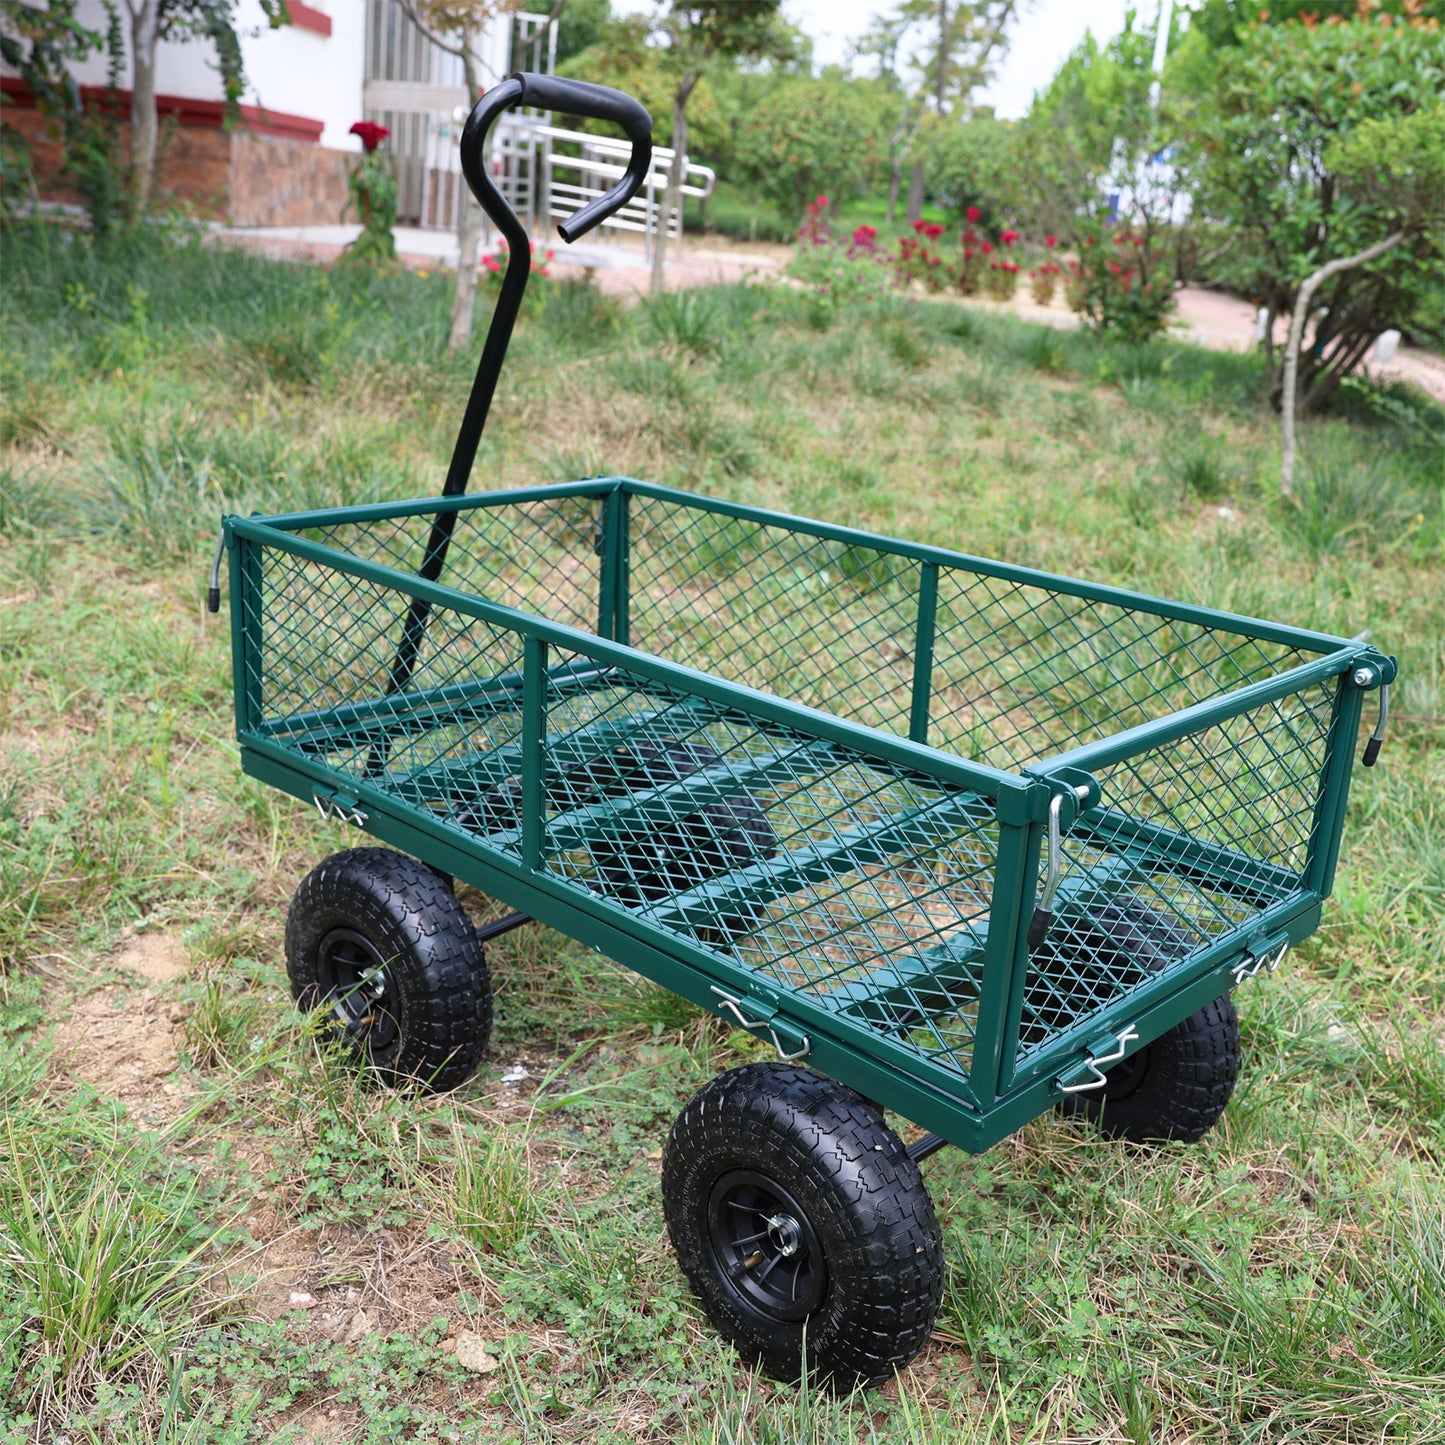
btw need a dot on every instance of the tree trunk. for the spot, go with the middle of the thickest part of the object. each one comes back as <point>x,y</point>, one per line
<point>895,184</point>
<point>1296,334</point>
<point>469,229</point>
<point>144,32</point>
<point>672,197</point>
<point>915,193</point>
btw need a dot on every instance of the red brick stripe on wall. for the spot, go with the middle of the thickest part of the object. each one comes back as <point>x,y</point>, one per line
<point>307,17</point>
<point>188,111</point>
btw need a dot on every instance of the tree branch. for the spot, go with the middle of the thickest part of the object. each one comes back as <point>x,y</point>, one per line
<point>458,48</point>
<point>1296,333</point>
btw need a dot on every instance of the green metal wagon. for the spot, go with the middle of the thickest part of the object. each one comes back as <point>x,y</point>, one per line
<point>959,839</point>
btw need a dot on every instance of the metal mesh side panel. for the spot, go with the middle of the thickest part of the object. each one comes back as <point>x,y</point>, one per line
<point>1019,673</point>
<point>328,642</point>
<point>537,556</point>
<point>811,620</point>
<point>860,884</point>
<point>1192,840</point>
<point>1022,672</point>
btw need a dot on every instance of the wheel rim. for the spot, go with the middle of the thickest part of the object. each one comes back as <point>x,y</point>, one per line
<point>1125,1078</point>
<point>765,1245</point>
<point>355,980</point>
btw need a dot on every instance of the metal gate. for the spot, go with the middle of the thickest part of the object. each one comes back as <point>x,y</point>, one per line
<point>418,91</point>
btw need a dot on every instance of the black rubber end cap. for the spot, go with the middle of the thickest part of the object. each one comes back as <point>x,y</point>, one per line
<point>1039,926</point>
<point>213,599</point>
<point>1372,751</point>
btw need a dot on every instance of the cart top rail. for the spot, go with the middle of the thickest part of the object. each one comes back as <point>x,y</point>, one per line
<point>1304,639</point>
<point>1317,656</point>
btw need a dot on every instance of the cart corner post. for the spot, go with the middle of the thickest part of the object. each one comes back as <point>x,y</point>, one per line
<point>245,582</point>
<point>613,584</point>
<point>1021,812</point>
<point>1365,674</point>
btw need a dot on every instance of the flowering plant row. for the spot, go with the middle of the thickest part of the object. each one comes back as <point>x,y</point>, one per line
<point>922,257</point>
<point>1126,290</point>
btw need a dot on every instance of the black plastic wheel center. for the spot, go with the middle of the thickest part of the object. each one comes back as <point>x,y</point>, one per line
<point>767,1248</point>
<point>354,977</point>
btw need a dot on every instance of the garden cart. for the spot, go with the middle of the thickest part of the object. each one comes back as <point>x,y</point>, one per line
<point>956,838</point>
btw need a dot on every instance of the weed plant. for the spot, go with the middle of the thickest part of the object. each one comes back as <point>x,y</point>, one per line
<point>1281,1281</point>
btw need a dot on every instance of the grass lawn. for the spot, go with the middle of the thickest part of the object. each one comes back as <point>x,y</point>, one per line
<point>212,1230</point>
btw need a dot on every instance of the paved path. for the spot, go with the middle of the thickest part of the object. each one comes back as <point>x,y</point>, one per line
<point>1208,318</point>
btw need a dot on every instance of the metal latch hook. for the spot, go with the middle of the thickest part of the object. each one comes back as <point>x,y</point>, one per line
<point>734,1006</point>
<point>1093,1061</point>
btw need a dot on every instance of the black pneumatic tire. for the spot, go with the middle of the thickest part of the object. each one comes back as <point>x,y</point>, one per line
<point>380,940</point>
<point>802,1224</point>
<point>1176,1088</point>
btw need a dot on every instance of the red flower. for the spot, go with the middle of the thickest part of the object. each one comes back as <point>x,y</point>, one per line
<point>371,134</point>
<point>1009,237</point>
<point>933,232</point>
<point>821,202</point>
<point>974,215</point>
<point>986,248</point>
<point>1051,240</point>
<point>866,235</point>
<point>918,225</point>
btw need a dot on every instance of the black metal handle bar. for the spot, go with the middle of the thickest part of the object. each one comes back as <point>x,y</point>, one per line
<point>577,97</point>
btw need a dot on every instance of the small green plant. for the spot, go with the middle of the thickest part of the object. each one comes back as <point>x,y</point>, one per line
<point>103,1247</point>
<point>372,184</point>
<point>688,320</point>
<point>1121,283</point>
<point>487,1194</point>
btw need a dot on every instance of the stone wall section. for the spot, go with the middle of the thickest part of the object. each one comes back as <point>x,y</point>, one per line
<point>279,182</point>
<point>215,175</point>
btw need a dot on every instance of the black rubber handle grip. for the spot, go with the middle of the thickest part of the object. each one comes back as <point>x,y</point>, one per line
<point>584,97</point>
<point>597,102</point>
<point>1372,751</point>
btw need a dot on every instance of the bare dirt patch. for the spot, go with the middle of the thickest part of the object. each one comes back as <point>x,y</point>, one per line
<point>125,1045</point>
<point>156,957</point>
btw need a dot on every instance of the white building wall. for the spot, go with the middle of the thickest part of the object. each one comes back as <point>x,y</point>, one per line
<point>290,69</point>
<point>304,73</point>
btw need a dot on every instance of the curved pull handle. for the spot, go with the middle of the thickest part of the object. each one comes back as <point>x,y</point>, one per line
<point>576,97</point>
<point>580,98</point>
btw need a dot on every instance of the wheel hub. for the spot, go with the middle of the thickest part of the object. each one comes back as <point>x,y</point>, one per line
<point>786,1234</point>
<point>354,976</point>
<point>767,1249</point>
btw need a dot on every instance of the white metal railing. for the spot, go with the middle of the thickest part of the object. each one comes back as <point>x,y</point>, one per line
<point>597,163</point>
<point>418,91</point>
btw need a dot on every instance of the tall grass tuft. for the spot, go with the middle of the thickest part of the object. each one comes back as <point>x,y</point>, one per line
<point>103,1249</point>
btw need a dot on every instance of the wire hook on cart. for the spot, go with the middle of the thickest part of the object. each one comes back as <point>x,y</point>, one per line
<point>1043,918</point>
<point>734,1006</point>
<point>1093,1062</point>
